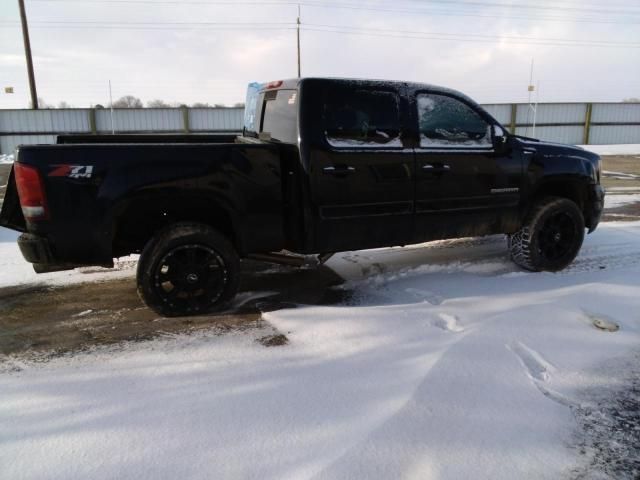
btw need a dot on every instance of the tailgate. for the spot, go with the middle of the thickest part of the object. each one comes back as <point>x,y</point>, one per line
<point>10,211</point>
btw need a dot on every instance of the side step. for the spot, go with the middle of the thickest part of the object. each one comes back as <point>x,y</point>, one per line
<point>292,259</point>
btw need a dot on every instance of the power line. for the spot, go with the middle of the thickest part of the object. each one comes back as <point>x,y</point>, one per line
<point>472,14</point>
<point>528,7</point>
<point>344,29</point>
<point>107,22</point>
<point>322,27</point>
<point>357,7</point>
<point>472,35</point>
<point>461,38</point>
<point>184,26</point>
<point>340,29</point>
<point>449,3</point>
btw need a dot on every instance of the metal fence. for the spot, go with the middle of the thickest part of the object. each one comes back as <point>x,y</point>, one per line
<point>573,123</point>
<point>41,126</point>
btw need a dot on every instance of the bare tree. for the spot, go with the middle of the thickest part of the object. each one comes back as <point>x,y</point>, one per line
<point>41,103</point>
<point>157,103</point>
<point>239,105</point>
<point>128,101</point>
<point>219,105</point>
<point>64,104</point>
<point>200,105</point>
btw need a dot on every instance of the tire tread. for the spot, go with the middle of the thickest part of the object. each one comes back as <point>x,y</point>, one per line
<point>520,243</point>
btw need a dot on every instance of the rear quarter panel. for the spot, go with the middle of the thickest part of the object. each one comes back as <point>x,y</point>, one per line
<point>244,180</point>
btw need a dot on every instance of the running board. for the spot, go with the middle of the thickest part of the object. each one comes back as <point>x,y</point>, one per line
<point>293,259</point>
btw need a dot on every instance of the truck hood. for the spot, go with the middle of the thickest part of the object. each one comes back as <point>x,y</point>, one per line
<point>559,156</point>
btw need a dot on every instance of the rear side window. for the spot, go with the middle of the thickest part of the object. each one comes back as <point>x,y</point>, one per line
<point>279,116</point>
<point>448,122</point>
<point>364,118</point>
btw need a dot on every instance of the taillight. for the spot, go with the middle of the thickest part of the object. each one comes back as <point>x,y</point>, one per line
<point>31,192</point>
<point>274,84</point>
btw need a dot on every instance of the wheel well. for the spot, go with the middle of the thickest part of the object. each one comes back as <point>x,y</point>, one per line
<point>143,219</point>
<point>572,190</point>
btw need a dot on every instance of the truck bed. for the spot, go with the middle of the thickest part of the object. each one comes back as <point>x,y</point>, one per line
<point>105,200</point>
<point>223,137</point>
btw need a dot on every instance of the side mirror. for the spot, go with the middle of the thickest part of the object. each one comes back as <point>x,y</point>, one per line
<point>499,137</point>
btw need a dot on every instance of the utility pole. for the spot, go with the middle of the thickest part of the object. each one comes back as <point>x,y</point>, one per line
<point>298,33</point>
<point>535,108</point>
<point>113,132</point>
<point>530,108</point>
<point>27,52</point>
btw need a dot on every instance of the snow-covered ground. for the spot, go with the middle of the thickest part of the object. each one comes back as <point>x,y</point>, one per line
<point>15,271</point>
<point>4,158</point>
<point>623,149</point>
<point>615,200</point>
<point>447,363</point>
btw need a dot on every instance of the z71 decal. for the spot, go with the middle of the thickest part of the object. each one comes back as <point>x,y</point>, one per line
<point>72,171</point>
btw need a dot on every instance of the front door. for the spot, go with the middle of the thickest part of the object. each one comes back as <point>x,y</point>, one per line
<point>363,175</point>
<point>464,185</point>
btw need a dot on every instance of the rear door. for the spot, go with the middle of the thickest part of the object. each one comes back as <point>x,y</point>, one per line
<point>464,185</point>
<point>362,173</point>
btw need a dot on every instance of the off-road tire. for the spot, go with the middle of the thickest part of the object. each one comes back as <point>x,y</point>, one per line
<point>532,247</point>
<point>188,269</point>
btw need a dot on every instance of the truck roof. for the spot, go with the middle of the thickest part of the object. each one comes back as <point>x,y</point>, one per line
<point>294,83</point>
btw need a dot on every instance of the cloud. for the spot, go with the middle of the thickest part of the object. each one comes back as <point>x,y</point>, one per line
<point>178,63</point>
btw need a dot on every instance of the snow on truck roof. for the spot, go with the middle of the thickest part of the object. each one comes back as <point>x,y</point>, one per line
<point>292,83</point>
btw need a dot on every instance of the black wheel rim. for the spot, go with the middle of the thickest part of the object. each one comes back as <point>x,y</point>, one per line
<point>557,237</point>
<point>190,278</point>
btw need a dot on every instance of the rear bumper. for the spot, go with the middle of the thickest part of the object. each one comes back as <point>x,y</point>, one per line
<point>35,249</point>
<point>594,207</point>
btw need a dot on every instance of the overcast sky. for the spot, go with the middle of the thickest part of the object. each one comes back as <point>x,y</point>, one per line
<point>208,50</point>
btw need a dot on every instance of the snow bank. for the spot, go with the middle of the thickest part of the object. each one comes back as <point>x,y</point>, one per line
<point>448,363</point>
<point>6,158</point>
<point>619,200</point>
<point>626,149</point>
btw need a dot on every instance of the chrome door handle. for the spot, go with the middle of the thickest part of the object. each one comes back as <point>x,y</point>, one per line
<point>339,170</point>
<point>436,167</point>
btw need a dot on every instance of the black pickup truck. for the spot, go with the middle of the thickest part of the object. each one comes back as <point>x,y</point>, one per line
<point>322,165</point>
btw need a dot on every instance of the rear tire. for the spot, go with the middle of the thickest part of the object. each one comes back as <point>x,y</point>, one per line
<point>188,269</point>
<point>551,236</point>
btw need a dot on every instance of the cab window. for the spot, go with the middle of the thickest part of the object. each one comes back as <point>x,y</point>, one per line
<point>279,116</point>
<point>363,118</point>
<point>446,122</point>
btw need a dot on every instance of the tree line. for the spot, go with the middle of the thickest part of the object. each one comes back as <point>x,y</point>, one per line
<point>129,101</point>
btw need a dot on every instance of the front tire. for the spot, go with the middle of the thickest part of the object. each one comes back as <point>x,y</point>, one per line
<point>187,269</point>
<point>551,236</point>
